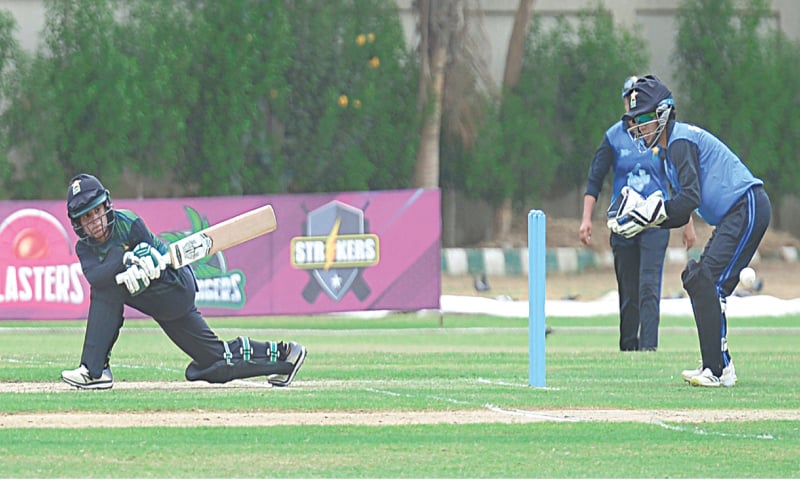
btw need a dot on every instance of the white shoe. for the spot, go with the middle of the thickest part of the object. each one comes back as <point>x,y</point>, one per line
<point>705,379</point>
<point>688,374</point>
<point>708,379</point>
<point>80,378</point>
<point>728,378</point>
<point>295,354</point>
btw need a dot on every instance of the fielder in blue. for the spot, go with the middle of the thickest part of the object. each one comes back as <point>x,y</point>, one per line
<point>639,260</point>
<point>113,241</point>
<point>707,176</point>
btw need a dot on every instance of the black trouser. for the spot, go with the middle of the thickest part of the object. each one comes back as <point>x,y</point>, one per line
<point>639,266</point>
<point>172,307</point>
<point>715,275</point>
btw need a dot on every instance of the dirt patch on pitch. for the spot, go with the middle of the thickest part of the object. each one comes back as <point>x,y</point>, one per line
<point>487,414</point>
<point>453,417</point>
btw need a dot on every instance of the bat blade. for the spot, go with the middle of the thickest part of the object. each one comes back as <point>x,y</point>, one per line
<point>221,236</point>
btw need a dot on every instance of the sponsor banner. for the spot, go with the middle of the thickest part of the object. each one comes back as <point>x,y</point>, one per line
<point>332,252</point>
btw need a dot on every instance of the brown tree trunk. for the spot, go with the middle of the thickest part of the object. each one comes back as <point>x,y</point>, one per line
<point>516,50</point>
<point>426,169</point>
<point>503,219</point>
<point>516,44</point>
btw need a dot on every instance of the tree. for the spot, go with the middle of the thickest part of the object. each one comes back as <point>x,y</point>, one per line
<point>71,111</point>
<point>157,36</point>
<point>735,68</point>
<point>549,124</point>
<point>234,97</point>
<point>452,70</point>
<point>511,73</point>
<point>11,58</point>
<point>351,118</point>
<point>240,55</point>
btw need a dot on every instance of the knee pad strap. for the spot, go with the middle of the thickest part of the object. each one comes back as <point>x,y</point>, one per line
<point>272,351</point>
<point>227,356</point>
<point>245,349</point>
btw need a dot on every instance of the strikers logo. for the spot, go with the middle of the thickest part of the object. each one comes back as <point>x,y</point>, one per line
<point>335,250</point>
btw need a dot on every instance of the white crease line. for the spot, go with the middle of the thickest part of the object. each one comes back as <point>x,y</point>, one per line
<point>252,383</point>
<point>407,395</point>
<point>28,361</point>
<point>501,383</point>
<point>449,400</point>
<point>508,384</point>
<point>386,392</point>
<point>697,431</point>
<point>60,364</point>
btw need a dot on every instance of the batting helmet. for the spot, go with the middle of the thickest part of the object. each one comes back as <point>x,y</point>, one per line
<point>85,192</point>
<point>650,101</point>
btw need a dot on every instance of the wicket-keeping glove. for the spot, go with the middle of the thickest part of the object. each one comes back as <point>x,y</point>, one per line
<point>628,229</point>
<point>135,280</point>
<point>628,200</point>
<point>651,212</point>
<point>648,213</point>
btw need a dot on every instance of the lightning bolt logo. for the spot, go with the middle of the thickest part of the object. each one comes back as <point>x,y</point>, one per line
<point>330,244</point>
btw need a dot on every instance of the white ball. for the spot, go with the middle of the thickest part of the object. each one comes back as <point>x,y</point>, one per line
<point>747,277</point>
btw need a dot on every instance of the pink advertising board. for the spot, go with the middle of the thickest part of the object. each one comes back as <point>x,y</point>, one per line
<point>332,252</point>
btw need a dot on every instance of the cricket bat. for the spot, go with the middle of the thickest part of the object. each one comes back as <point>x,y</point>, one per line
<point>218,237</point>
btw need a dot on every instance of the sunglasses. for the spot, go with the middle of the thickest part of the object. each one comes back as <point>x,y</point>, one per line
<point>646,117</point>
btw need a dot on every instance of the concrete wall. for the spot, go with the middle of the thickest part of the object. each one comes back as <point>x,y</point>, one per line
<point>29,15</point>
<point>654,18</point>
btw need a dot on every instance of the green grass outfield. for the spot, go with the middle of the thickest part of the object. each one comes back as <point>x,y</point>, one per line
<point>387,398</point>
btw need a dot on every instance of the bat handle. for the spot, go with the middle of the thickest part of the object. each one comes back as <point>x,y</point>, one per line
<point>166,259</point>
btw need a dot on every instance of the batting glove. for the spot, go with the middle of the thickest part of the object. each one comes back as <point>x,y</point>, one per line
<point>135,280</point>
<point>150,260</point>
<point>147,258</point>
